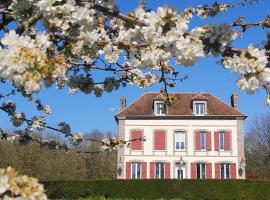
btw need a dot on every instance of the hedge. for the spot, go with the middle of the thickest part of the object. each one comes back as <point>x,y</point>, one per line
<point>157,189</point>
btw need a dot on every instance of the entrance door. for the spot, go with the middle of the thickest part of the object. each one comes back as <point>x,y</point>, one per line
<point>180,171</point>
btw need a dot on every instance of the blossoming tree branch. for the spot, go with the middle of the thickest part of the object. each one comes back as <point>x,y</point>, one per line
<point>64,43</point>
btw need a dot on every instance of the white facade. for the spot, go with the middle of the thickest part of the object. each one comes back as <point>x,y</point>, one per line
<point>181,158</point>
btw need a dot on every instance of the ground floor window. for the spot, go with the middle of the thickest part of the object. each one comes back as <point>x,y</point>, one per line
<point>159,170</point>
<point>224,170</point>
<point>136,170</point>
<point>180,171</point>
<point>201,170</point>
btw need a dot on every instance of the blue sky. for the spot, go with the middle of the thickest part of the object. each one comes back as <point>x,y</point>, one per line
<point>87,112</point>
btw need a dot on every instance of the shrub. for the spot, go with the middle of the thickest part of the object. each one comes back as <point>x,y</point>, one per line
<point>156,189</point>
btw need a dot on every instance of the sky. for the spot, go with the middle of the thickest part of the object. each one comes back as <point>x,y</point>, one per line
<point>86,112</point>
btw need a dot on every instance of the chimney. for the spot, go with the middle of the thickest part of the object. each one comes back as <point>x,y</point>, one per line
<point>234,100</point>
<point>123,103</point>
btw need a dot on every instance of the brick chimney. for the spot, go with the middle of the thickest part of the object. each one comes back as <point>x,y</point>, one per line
<point>123,103</point>
<point>234,100</point>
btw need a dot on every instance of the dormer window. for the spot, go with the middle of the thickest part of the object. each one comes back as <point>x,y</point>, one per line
<point>159,108</point>
<point>199,108</point>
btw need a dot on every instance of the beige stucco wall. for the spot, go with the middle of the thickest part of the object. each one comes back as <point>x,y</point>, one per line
<point>189,155</point>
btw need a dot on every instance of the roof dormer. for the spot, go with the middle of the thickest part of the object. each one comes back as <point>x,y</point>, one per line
<point>159,108</point>
<point>199,103</point>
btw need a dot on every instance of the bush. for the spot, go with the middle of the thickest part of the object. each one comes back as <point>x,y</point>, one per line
<point>156,189</point>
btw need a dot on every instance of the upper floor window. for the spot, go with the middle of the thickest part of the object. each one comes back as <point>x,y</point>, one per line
<point>159,108</point>
<point>199,108</point>
<point>203,140</point>
<point>136,143</point>
<point>159,140</point>
<point>221,140</point>
<point>136,170</point>
<point>180,140</point>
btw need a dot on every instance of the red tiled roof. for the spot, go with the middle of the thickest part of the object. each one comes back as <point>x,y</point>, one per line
<point>182,107</point>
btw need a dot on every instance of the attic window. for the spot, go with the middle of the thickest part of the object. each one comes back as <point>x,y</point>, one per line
<point>199,108</point>
<point>159,108</point>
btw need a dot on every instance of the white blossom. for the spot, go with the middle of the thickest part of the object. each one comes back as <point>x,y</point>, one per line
<point>251,60</point>
<point>18,119</point>
<point>267,101</point>
<point>25,63</point>
<point>77,139</point>
<point>47,109</point>
<point>36,124</point>
<point>250,85</point>
<point>20,187</point>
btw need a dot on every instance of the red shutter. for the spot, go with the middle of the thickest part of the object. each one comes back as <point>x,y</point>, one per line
<point>227,141</point>
<point>137,144</point>
<point>233,170</point>
<point>208,170</point>
<point>208,140</point>
<point>144,170</point>
<point>128,170</point>
<point>217,170</point>
<point>159,140</point>
<point>167,171</point>
<point>216,138</point>
<point>152,170</point>
<point>197,140</point>
<point>193,171</point>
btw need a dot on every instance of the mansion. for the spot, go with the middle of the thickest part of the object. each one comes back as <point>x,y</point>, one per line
<point>198,137</point>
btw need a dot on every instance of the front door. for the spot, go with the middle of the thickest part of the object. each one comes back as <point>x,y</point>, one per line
<point>180,171</point>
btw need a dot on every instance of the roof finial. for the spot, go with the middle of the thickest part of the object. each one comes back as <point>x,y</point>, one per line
<point>142,4</point>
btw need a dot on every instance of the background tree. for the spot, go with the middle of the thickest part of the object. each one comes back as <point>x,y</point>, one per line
<point>257,147</point>
<point>52,164</point>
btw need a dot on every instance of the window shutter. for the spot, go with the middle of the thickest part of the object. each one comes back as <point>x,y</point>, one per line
<point>144,170</point>
<point>193,171</point>
<point>137,144</point>
<point>217,170</point>
<point>208,141</point>
<point>128,170</point>
<point>216,138</point>
<point>227,141</point>
<point>197,140</point>
<point>159,140</point>
<point>167,171</point>
<point>208,170</point>
<point>152,170</point>
<point>233,170</point>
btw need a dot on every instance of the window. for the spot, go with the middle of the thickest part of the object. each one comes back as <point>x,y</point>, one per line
<point>221,140</point>
<point>160,140</point>
<point>135,143</point>
<point>224,170</point>
<point>180,171</point>
<point>159,170</point>
<point>201,170</point>
<point>159,108</point>
<point>203,140</point>
<point>180,140</point>
<point>199,108</point>
<point>136,170</point>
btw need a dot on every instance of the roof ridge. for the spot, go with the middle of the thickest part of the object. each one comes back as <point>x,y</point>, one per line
<point>191,92</point>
